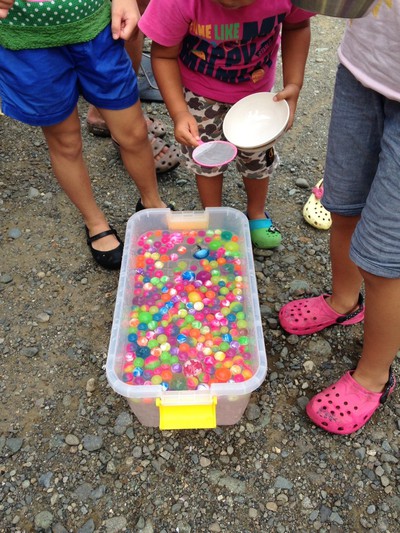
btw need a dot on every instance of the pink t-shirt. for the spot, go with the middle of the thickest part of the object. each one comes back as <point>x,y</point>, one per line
<point>226,54</point>
<point>371,49</point>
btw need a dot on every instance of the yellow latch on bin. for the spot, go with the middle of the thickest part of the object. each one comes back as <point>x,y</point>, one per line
<point>188,416</point>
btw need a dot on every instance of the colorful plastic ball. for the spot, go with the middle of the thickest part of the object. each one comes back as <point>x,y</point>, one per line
<point>222,374</point>
<point>192,367</point>
<point>178,383</point>
<point>201,254</point>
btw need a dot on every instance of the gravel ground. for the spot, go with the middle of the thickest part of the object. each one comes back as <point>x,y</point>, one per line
<point>73,458</point>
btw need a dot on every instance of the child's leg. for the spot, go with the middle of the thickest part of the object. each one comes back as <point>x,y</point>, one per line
<point>263,233</point>
<point>257,191</point>
<point>346,277</point>
<point>256,169</point>
<point>210,190</point>
<point>348,404</point>
<point>128,128</point>
<point>65,147</point>
<point>381,331</point>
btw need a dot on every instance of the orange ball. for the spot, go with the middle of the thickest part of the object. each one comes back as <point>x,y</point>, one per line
<point>222,374</point>
<point>166,375</point>
<point>184,347</point>
<point>247,374</point>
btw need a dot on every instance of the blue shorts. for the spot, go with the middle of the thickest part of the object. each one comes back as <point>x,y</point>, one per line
<point>362,172</point>
<point>41,87</point>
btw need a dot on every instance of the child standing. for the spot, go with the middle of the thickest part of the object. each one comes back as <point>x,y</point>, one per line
<point>362,191</point>
<point>207,55</point>
<point>50,53</point>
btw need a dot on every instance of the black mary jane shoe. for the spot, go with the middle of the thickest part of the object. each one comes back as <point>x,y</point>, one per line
<point>140,206</point>
<point>110,259</point>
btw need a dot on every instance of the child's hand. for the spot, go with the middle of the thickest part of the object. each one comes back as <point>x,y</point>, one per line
<point>124,19</point>
<point>5,6</point>
<point>186,129</point>
<point>290,93</point>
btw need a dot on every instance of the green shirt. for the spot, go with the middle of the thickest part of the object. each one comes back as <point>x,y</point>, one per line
<point>53,23</point>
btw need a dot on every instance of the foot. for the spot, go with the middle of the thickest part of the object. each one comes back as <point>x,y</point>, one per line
<point>140,206</point>
<point>106,243</point>
<point>107,258</point>
<point>264,234</point>
<point>346,406</point>
<point>309,315</point>
<point>95,123</point>
<point>166,157</point>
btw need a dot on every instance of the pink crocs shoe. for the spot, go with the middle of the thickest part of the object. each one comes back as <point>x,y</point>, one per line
<point>309,315</point>
<point>346,406</point>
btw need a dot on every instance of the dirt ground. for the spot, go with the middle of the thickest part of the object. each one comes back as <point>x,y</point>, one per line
<point>56,312</point>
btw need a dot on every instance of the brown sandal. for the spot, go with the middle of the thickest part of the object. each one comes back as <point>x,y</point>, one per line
<point>155,126</point>
<point>167,161</point>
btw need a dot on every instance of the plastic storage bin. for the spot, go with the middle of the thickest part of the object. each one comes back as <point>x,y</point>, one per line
<point>187,347</point>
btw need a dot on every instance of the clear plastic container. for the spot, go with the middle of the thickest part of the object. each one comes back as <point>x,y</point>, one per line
<point>200,339</point>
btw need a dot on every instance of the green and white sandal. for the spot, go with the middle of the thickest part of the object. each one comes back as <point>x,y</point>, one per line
<point>264,234</point>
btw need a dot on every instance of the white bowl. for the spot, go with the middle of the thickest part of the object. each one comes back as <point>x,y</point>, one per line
<point>256,121</point>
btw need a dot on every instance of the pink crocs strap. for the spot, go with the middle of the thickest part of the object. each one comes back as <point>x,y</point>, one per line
<point>318,192</point>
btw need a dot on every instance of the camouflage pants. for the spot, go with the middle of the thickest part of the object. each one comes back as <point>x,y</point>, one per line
<point>210,116</point>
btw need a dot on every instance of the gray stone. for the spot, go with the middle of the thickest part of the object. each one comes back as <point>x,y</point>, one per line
<point>43,520</point>
<point>92,443</point>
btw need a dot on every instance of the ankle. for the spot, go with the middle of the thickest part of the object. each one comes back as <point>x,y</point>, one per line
<point>342,306</point>
<point>152,203</point>
<point>255,215</point>
<point>375,382</point>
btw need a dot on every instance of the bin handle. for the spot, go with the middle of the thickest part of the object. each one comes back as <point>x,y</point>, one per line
<point>198,416</point>
<point>187,220</point>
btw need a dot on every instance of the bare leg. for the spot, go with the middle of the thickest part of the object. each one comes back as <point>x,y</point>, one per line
<point>65,147</point>
<point>381,331</point>
<point>128,128</point>
<point>210,190</point>
<point>135,49</point>
<point>256,191</point>
<point>346,277</point>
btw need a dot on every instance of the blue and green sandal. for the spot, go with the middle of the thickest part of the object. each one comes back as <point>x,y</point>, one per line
<point>264,234</point>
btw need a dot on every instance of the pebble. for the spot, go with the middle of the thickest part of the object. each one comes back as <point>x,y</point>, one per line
<point>91,385</point>
<point>92,443</point>
<point>43,317</point>
<point>253,411</point>
<point>72,440</point>
<point>29,351</point>
<point>14,233</point>
<point>115,524</point>
<point>302,183</point>
<point>33,193</point>
<point>283,483</point>
<point>43,520</point>
<point>14,444</point>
